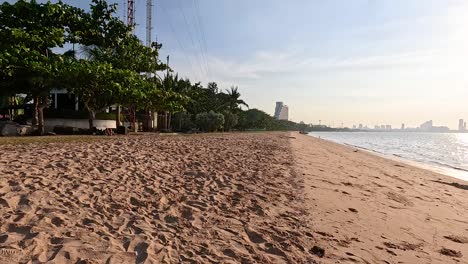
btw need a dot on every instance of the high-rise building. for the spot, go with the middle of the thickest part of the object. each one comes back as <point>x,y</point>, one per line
<point>360,126</point>
<point>279,106</point>
<point>402,126</point>
<point>426,125</point>
<point>281,111</point>
<point>388,127</point>
<point>461,125</point>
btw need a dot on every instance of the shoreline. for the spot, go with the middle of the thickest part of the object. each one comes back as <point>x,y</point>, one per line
<point>447,170</point>
<point>366,208</point>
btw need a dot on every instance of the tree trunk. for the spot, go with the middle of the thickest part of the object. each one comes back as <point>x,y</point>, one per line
<point>148,122</point>
<point>155,120</point>
<point>134,121</point>
<point>91,116</point>
<point>166,121</point>
<point>117,116</point>
<point>40,123</point>
<point>181,115</point>
<point>35,111</point>
<point>42,103</point>
<point>169,119</point>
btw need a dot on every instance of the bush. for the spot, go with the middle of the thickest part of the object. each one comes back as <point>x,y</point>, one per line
<point>182,121</point>
<point>230,121</point>
<point>209,122</point>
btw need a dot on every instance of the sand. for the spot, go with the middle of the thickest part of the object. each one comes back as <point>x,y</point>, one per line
<point>224,198</point>
<point>153,199</point>
<point>368,209</point>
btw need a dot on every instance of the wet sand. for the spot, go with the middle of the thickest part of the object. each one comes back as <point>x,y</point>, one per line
<point>224,198</point>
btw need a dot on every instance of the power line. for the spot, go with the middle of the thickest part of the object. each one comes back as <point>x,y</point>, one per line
<point>182,47</point>
<point>202,34</point>
<point>200,57</point>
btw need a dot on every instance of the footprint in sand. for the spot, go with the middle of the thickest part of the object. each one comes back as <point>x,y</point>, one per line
<point>457,239</point>
<point>450,252</point>
<point>254,236</point>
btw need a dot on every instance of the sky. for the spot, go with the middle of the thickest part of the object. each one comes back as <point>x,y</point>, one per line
<point>339,61</point>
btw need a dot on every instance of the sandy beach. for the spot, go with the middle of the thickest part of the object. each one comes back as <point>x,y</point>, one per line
<point>367,209</point>
<point>224,198</point>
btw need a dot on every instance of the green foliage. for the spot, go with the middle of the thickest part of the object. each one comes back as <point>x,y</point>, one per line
<point>93,82</point>
<point>209,121</point>
<point>230,120</point>
<point>117,69</point>
<point>182,121</point>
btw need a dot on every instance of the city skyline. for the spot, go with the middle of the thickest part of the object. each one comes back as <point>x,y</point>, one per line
<point>427,125</point>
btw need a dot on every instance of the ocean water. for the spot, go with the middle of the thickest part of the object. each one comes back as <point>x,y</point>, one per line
<point>446,153</point>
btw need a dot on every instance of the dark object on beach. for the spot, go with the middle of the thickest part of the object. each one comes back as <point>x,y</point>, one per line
<point>109,131</point>
<point>303,132</point>
<point>122,130</point>
<point>318,251</point>
<point>21,119</point>
<point>64,130</point>
<point>450,252</point>
<point>454,184</point>
<point>356,150</point>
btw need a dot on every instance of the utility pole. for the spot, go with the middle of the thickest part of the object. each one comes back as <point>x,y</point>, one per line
<point>167,70</point>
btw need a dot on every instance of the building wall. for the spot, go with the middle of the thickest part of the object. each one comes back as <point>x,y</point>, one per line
<point>284,114</point>
<point>78,123</point>
<point>278,108</point>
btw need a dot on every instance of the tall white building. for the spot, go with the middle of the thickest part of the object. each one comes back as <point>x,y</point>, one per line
<point>461,125</point>
<point>281,111</point>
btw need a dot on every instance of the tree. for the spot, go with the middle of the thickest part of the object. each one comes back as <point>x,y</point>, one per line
<point>209,122</point>
<point>95,83</point>
<point>230,120</point>
<point>233,99</point>
<point>27,63</point>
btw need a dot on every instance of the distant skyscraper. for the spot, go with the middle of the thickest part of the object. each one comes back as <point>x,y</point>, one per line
<point>281,111</point>
<point>402,126</point>
<point>461,125</point>
<point>360,126</point>
<point>388,127</point>
<point>426,125</point>
<point>279,106</point>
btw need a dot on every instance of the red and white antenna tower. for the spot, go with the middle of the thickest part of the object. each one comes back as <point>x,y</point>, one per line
<point>149,21</point>
<point>131,13</point>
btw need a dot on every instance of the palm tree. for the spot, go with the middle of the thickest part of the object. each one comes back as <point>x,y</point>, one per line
<point>233,99</point>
